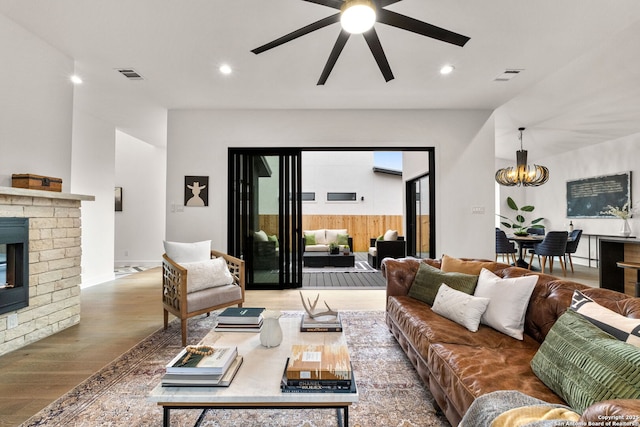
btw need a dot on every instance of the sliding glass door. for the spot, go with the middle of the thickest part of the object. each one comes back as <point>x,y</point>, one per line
<point>264,217</point>
<point>420,221</point>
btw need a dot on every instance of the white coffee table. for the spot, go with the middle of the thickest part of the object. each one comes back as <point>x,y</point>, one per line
<point>257,383</point>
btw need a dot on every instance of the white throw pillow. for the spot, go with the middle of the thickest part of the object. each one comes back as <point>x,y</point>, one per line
<point>260,236</point>
<point>464,309</point>
<point>207,274</point>
<point>320,236</point>
<point>390,235</point>
<point>332,235</point>
<point>188,252</point>
<point>509,301</point>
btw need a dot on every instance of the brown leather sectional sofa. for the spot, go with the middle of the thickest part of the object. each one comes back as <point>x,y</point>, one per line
<point>458,365</point>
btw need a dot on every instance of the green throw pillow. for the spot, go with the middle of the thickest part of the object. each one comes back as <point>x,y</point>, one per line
<point>274,238</point>
<point>583,364</point>
<point>342,239</point>
<point>429,279</point>
<point>309,239</point>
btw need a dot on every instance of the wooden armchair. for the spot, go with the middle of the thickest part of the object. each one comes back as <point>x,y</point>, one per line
<point>177,300</point>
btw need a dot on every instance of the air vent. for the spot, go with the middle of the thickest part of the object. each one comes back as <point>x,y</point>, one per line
<point>507,75</point>
<point>130,73</point>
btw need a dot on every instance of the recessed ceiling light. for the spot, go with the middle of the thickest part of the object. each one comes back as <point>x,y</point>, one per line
<point>447,69</point>
<point>225,69</point>
<point>75,79</point>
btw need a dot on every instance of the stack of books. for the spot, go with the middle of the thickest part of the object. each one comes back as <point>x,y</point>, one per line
<point>318,369</point>
<point>189,369</point>
<point>321,323</point>
<point>240,319</point>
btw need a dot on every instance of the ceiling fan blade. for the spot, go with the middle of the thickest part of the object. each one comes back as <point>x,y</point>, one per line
<point>336,4</point>
<point>383,3</point>
<point>333,57</point>
<point>378,53</point>
<point>298,33</point>
<point>410,24</point>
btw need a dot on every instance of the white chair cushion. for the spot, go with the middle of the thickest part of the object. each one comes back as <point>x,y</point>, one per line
<point>316,248</point>
<point>188,252</point>
<point>260,236</point>
<point>373,251</point>
<point>207,274</point>
<point>390,235</point>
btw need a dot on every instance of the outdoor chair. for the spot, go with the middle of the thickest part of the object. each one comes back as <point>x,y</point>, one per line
<point>381,249</point>
<point>193,288</point>
<point>572,246</point>
<point>554,244</point>
<point>505,247</point>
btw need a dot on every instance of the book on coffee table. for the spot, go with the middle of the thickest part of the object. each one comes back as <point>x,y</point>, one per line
<point>315,386</point>
<point>190,363</point>
<point>319,362</point>
<point>321,323</point>
<point>241,315</point>
<point>203,380</point>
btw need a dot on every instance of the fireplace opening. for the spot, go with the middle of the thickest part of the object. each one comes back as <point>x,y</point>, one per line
<point>14,264</point>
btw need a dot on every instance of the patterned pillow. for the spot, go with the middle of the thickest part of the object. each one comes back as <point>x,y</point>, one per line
<point>429,279</point>
<point>583,364</point>
<point>623,328</point>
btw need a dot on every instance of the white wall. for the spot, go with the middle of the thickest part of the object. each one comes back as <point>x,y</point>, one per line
<point>36,102</point>
<point>92,173</point>
<point>140,169</point>
<point>198,143</point>
<point>350,171</point>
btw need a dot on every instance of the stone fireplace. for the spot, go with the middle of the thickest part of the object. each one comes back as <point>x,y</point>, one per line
<point>52,255</point>
<point>14,264</point>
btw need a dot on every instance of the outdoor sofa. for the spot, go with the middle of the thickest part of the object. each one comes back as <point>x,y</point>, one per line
<point>458,365</point>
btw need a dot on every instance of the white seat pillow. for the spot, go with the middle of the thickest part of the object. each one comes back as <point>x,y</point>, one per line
<point>320,236</point>
<point>188,252</point>
<point>390,235</point>
<point>332,235</point>
<point>207,274</point>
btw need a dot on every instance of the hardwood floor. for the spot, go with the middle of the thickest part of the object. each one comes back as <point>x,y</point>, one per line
<point>116,316</point>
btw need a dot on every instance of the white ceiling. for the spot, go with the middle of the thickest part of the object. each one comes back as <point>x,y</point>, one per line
<point>580,84</point>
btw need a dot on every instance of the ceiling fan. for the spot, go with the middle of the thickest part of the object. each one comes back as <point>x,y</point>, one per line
<point>380,15</point>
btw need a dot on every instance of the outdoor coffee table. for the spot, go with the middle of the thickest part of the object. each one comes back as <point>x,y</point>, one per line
<point>257,383</point>
<point>325,259</point>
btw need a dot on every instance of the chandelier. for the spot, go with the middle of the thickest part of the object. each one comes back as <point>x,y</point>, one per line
<point>522,174</point>
<point>358,16</point>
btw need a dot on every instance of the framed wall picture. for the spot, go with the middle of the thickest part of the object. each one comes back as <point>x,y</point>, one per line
<point>588,197</point>
<point>196,191</point>
<point>118,199</point>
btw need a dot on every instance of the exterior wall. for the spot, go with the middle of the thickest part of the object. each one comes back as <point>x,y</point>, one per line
<point>54,268</point>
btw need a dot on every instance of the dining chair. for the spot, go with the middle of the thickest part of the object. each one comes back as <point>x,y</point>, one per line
<point>572,246</point>
<point>505,247</point>
<point>554,244</point>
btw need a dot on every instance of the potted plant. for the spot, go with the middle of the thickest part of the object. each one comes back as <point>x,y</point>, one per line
<point>345,249</point>
<point>520,226</point>
<point>624,213</point>
<point>334,249</point>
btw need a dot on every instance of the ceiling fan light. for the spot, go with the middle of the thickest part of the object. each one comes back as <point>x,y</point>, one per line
<point>358,16</point>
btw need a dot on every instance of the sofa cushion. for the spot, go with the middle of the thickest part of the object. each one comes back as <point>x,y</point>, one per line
<point>188,252</point>
<point>584,364</point>
<point>332,235</point>
<point>342,239</point>
<point>207,274</point>
<point>464,309</point>
<point>422,327</point>
<point>428,280</point>
<point>621,327</point>
<point>212,297</point>
<point>320,235</point>
<point>260,236</point>
<point>456,265</point>
<point>309,240</point>
<point>467,372</point>
<point>316,248</point>
<point>509,301</point>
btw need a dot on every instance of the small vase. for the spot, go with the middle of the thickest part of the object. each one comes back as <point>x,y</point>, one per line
<point>625,231</point>
<point>271,333</point>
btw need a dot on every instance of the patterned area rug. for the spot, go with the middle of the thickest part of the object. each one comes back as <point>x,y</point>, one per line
<point>391,394</point>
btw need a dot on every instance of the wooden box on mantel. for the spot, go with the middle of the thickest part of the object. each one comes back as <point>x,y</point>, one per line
<point>36,182</point>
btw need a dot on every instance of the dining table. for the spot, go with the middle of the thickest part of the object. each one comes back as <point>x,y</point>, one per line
<point>522,245</point>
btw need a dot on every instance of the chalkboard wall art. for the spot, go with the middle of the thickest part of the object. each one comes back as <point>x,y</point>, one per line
<point>587,198</point>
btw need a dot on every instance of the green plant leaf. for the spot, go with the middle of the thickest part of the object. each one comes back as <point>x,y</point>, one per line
<point>520,219</point>
<point>506,224</point>
<point>512,204</point>
<point>527,208</point>
<point>537,220</point>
